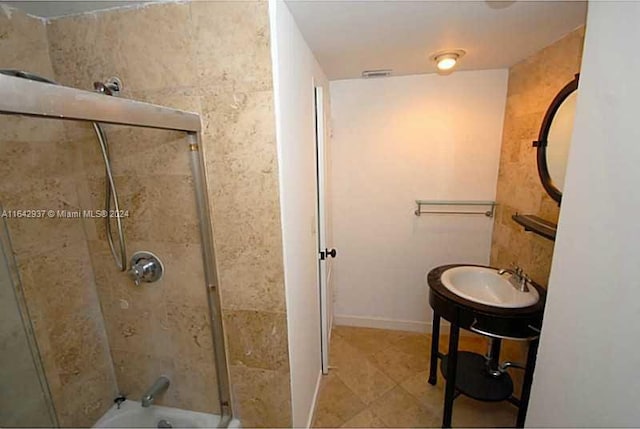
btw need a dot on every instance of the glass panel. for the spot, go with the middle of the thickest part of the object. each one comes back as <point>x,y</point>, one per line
<point>38,187</point>
<point>99,334</point>
<point>24,397</point>
<point>160,328</point>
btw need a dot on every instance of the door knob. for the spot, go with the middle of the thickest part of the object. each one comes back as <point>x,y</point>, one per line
<point>324,254</point>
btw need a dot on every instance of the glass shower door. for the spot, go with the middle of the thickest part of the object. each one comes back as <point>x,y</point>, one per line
<point>24,394</point>
<point>100,335</point>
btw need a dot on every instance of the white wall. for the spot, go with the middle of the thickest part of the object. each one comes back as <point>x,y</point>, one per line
<point>589,355</point>
<point>396,140</point>
<point>295,69</point>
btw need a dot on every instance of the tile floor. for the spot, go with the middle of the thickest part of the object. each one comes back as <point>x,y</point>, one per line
<point>378,378</point>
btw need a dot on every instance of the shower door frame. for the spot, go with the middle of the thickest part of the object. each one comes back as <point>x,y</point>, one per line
<point>19,96</point>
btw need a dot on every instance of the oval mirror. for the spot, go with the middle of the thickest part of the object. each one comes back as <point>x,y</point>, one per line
<point>554,140</point>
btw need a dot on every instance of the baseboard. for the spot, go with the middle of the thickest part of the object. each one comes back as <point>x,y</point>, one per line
<point>391,324</point>
<point>379,323</point>
<point>315,401</point>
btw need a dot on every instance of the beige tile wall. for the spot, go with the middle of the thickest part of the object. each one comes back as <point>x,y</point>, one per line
<point>38,172</point>
<point>212,58</point>
<point>533,83</point>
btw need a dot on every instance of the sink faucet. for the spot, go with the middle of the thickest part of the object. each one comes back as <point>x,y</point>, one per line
<point>159,386</point>
<point>518,278</point>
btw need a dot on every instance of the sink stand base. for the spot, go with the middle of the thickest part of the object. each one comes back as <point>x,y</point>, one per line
<point>467,373</point>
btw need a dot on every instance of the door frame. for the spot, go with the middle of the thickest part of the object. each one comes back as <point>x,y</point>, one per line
<point>323,275</point>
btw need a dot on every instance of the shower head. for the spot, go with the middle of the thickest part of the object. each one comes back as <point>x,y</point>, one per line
<point>111,86</point>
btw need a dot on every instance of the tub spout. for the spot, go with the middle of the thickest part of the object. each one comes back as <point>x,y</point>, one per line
<point>159,386</point>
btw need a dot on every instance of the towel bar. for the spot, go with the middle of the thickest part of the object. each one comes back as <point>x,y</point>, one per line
<point>491,205</point>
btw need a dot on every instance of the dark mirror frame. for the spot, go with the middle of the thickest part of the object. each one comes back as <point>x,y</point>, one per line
<point>541,143</point>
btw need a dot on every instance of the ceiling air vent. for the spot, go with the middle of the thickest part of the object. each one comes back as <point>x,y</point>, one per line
<point>367,74</point>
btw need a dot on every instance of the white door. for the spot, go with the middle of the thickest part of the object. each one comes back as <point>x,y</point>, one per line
<point>324,254</point>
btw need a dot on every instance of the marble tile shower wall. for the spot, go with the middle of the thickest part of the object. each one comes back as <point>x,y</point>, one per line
<point>533,83</point>
<point>212,58</point>
<point>38,170</point>
<point>164,327</point>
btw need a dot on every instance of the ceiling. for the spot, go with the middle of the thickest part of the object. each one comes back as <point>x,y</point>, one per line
<point>348,37</point>
<point>51,9</point>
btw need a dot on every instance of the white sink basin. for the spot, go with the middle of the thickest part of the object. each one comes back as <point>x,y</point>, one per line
<point>486,286</point>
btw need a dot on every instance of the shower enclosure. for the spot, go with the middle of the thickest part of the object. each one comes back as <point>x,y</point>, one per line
<point>78,336</point>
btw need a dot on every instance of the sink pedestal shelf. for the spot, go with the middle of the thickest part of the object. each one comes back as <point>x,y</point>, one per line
<point>474,381</point>
<point>466,372</point>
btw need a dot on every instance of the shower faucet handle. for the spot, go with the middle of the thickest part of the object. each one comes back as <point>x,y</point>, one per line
<point>136,273</point>
<point>145,267</point>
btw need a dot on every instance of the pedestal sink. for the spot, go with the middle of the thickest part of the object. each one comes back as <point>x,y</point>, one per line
<point>484,285</point>
<point>478,299</point>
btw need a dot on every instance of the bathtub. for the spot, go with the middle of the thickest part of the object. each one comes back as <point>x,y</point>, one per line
<point>132,415</point>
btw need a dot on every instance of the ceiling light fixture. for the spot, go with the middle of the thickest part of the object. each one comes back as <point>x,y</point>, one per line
<point>447,60</point>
